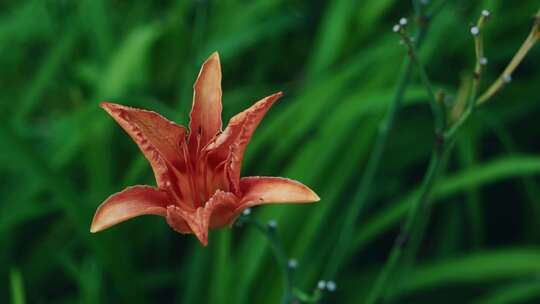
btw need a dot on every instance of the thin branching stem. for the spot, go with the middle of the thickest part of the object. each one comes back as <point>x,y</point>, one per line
<point>279,252</point>
<point>411,233</point>
<point>361,196</point>
<point>471,100</point>
<point>436,107</point>
<point>406,230</point>
<point>506,75</point>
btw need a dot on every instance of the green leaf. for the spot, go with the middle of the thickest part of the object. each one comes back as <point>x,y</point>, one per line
<point>477,176</point>
<point>17,287</point>
<point>474,268</point>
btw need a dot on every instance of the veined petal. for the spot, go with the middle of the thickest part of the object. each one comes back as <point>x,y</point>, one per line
<point>159,139</point>
<point>258,190</point>
<point>231,144</point>
<point>217,212</point>
<point>205,116</point>
<point>176,220</point>
<point>131,202</point>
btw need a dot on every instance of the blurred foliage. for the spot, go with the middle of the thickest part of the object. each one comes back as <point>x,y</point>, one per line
<point>338,62</point>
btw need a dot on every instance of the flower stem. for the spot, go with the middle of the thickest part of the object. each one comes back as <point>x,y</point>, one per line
<point>531,40</point>
<point>437,107</point>
<point>277,248</point>
<point>362,195</point>
<point>412,231</point>
<point>407,232</point>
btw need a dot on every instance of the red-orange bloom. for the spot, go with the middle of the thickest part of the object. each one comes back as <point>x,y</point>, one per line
<point>198,174</point>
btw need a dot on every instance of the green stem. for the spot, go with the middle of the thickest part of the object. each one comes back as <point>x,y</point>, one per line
<point>410,224</point>
<point>411,234</point>
<point>281,257</point>
<point>436,107</point>
<point>362,195</point>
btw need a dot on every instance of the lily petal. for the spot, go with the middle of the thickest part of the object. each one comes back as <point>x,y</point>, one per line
<point>217,212</point>
<point>205,116</point>
<point>258,190</point>
<point>129,203</point>
<point>158,138</point>
<point>231,144</point>
<point>176,220</point>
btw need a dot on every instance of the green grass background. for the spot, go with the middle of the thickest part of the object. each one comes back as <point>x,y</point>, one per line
<point>338,63</point>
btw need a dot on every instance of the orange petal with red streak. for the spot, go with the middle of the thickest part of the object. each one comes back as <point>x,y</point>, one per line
<point>216,212</point>
<point>158,138</point>
<point>205,116</point>
<point>231,144</point>
<point>131,202</point>
<point>258,190</point>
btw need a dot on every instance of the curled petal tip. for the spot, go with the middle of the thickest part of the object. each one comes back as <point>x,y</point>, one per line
<point>93,229</point>
<point>105,104</point>
<point>98,224</point>
<point>262,189</point>
<point>202,236</point>
<point>313,196</point>
<point>129,203</point>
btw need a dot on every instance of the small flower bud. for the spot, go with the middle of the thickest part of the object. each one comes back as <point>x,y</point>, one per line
<point>321,285</point>
<point>272,224</point>
<point>486,13</point>
<point>396,28</point>
<point>293,263</point>
<point>475,30</point>
<point>483,61</point>
<point>403,21</point>
<point>246,211</point>
<point>507,78</point>
<point>331,286</point>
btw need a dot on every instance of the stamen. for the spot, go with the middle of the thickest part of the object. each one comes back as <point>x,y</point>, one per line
<point>189,167</point>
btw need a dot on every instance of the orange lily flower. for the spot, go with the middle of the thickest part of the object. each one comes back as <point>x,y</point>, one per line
<point>198,172</point>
